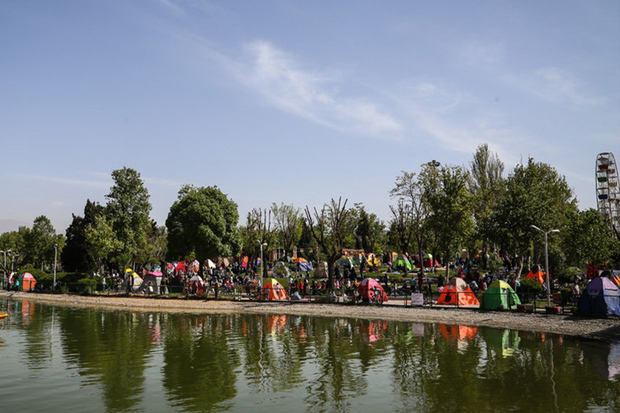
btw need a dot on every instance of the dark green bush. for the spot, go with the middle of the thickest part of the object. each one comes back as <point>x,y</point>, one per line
<point>530,286</point>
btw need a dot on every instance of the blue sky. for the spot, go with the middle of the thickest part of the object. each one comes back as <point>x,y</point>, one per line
<point>294,102</point>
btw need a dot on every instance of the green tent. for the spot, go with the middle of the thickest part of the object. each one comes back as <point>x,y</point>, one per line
<point>401,263</point>
<point>499,296</point>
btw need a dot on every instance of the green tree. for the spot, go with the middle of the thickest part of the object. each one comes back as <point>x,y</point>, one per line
<point>14,242</point>
<point>100,241</point>
<point>485,182</point>
<point>75,256</point>
<point>369,230</point>
<point>287,221</point>
<point>40,242</point>
<point>449,206</point>
<point>588,238</point>
<point>128,211</point>
<point>328,228</point>
<point>203,222</point>
<point>256,231</point>
<point>535,194</point>
<point>411,211</point>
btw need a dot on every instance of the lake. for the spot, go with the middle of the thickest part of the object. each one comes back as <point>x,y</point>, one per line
<point>89,360</point>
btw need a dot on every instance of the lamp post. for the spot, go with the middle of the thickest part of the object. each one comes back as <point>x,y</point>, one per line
<point>4,268</point>
<point>55,256</point>
<point>13,255</point>
<point>546,261</point>
<point>262,263</point>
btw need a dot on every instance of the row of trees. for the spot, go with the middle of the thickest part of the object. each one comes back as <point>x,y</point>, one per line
<point>439,209</point>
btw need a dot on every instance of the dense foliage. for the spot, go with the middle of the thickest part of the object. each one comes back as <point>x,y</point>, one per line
<point>438,210</point>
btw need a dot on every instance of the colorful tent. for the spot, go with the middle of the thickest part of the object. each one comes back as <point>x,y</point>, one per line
<point>499,296</point>
<point>457,292</point>
<point>615,277</point>
<point>27,282</point>
<point>180,268</point>
<point>458,332</point>
<point>273,291</point>
<point>600,298</point>
<point>371,291</point>
<point>152,280</point>
<point>321,270</point>
<point>281,269</point>
<point>537,274</point>
<point>402,263</point>
<point>196,284</point>
<point>345,262</point>
<point>373,261</point>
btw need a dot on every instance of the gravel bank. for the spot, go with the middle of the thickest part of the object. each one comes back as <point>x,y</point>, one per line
<point>604,329</point>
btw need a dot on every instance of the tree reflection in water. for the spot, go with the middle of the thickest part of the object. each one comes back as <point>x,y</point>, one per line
<point>282,362</point>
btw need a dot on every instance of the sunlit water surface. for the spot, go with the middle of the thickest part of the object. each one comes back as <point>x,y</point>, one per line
<point>87,360</point>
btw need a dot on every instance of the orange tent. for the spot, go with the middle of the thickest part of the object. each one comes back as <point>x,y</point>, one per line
<point>456,332</point>
<point>27,282</point>
<point>457,292</point>
<point>273,291</point>
<point>537,274</point>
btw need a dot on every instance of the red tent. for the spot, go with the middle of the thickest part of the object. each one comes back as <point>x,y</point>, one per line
<point>371,291</point>
<point>181,267</point>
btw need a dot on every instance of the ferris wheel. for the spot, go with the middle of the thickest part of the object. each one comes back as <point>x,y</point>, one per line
<point>607,189</point>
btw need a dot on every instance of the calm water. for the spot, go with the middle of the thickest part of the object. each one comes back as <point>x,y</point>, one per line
<point>55,358</point>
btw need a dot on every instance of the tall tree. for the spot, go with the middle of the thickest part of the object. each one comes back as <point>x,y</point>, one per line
<point>369,230</point>
<point>287,221</point>
<point>100,241</point>
<point>328,228</point>
<point>411,211</point>
<point>256,231</point>
<point>449,206</point>
<point>535,194</point>
<point>485,182</point>
<point>588,238</point>
<point>40,242</point>
<point>203,222</point>
<point>128,210</point>
<point>74,255</point>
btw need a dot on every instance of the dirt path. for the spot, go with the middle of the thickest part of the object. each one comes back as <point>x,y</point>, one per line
<point>605,329</point>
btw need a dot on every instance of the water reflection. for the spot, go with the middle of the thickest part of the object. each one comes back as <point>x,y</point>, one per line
<point>181,362</point>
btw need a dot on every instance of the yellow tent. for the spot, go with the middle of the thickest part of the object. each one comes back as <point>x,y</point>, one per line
<point>273,291</point>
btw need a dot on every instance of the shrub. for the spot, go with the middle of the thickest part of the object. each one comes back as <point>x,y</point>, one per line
<point>568,275</point>
<point>530,286</point>
<point>87,285</point>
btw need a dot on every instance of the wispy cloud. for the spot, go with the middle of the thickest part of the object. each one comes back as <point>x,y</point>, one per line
<point>280,78</point>
<point>93,183</point>
<point>556,85</point>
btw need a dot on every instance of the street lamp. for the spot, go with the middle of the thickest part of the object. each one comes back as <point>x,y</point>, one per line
<point>546,261</point>
<point>55,255</point>
<point>4,267</point>
<point>13,255</point>
<point>262,263</point>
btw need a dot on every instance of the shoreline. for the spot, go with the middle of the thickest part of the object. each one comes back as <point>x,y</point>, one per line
<point>568,325</point>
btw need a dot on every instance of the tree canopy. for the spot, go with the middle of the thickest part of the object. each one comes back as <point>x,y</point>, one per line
<point>202,222</point>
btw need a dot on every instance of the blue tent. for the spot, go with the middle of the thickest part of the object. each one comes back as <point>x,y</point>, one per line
<point>600,298</point>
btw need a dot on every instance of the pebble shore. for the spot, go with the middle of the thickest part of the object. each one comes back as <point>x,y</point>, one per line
<point>563,324</point>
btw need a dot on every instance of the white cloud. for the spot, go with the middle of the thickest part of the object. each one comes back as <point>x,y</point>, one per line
<point>280,78</point>
<point>556,85</point>
<point>70,181</point>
